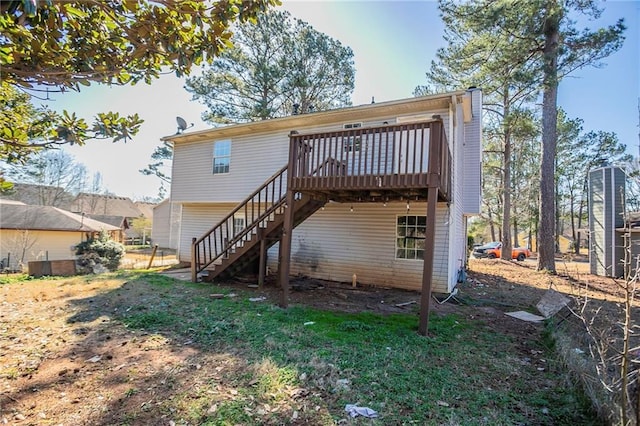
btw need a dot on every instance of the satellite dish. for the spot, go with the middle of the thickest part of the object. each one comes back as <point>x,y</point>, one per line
<point>182,125</point>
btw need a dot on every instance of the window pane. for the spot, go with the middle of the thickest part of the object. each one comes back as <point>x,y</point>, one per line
<point>222,148</point>
<point>221,156</point>
<point>410,237</point>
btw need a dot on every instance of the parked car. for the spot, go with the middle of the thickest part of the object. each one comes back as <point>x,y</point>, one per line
<point>493,250</point>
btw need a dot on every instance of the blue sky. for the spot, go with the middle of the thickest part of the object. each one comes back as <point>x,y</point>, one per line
<point>393,43</point>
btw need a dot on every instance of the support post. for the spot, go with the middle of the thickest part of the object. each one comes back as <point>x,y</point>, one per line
<point>285,250</point>
<point>284,255</point>
<point>153,254</point>
<point>427,271</point>
<point>194,273</point>
<point>262,270</point>
<point>435,170</point>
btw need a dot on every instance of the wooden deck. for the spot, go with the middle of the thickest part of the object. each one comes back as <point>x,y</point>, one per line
<point>375,164</point>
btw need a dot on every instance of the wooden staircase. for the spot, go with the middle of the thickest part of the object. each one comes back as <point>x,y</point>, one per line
<point>226,248</point>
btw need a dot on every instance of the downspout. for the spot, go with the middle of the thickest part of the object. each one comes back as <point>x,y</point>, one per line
<point>451,141</point>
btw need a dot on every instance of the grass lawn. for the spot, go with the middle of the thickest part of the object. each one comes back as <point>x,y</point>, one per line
<point>203,360</point>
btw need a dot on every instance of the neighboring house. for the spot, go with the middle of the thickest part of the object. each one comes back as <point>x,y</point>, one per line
<point>118,221</point>
<point>357,181</point>
<point>145,208</point>
<point>39,195</point>
<point>43,232</point>
<point>98,205</point>
<point>109,205</point>
<point>166,224</point>
<point>614,233</point>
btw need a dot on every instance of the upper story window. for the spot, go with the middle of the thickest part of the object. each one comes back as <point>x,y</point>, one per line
<point>352,143</point>
<point>221,156</point>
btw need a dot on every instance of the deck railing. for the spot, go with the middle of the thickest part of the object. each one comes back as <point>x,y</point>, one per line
<point>391,156</point>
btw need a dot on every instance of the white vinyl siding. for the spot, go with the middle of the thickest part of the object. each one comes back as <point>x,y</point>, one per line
<point>336,243</point>
<point>472,147</point>
<point>255,159</point>
<point>456,223</point>
<point>196,220</point>
<point>165,230</point>
<point>161,225</point>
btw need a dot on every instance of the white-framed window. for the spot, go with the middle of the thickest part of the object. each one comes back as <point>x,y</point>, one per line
<point>410,235</point>
<point>352,143</point>
<point>221,156</point>
<point>238,224</point>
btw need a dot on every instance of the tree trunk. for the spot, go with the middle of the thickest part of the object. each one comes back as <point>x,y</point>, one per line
<point>506,181</point>
<point>556,242</point>
<point>547,231</point>
<point>580,213</point>
<point>492,227</point>
<point>574,231</point>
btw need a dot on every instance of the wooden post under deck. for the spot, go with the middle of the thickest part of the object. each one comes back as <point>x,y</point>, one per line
<point>194,274</point>
<point>262,270</point>
<point>285,250</point>
<point>427,271</point>
<point>430,237</point>
<point>284,255</point>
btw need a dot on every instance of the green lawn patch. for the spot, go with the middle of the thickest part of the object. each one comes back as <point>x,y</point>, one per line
<point>464,373</point>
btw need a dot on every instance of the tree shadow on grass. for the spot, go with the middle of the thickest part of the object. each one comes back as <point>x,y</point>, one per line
<point>153,350</point>
<point>133,357</point>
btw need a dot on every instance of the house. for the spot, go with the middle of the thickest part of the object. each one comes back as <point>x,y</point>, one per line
<point>145,208</point>
<point>99,204</point>
<point>371,190</point>
<point>614,232</point>
<point>39,195</point>
<point>115,208</point>
<point>30,233</point>
<point>121,222</point>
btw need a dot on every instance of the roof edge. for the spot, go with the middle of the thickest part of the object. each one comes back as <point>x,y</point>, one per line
<point>317,118</point>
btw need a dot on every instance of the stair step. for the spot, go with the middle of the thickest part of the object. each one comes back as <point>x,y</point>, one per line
<point>246,250</point>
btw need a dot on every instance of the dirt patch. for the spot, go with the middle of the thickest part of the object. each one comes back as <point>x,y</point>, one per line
<point>63,360</point>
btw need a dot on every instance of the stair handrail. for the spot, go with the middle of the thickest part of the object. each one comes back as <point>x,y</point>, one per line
<point>198,248</point>
<point>197,264</point>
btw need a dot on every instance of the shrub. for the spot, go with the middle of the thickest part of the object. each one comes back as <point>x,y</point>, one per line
<point>100,250</point>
